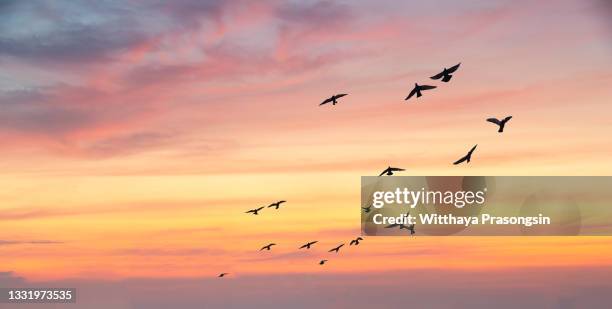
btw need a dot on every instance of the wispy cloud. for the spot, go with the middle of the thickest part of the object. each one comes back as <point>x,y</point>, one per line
<point>29,242</point>
<point>161,252</point>
<point>10,279</point>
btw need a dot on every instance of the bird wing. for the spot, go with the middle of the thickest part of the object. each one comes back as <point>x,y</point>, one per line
<point>453,68</point>
<point>460,160</point>
<point>337,248</point>
<point>507,118</point>
<point>438,76</point>
<point>359,238</point>
<point>327,101</point>
<point>391,226</point>
<point>252,210</point>
<point>494,120</point>
<point>304,246</point>
<point>397,169</point>
<point>340,95</point>
<point>383,172</point>
<point>427,87</point>
<point>413,92</point>
<point>352,242</point>
<point>280,202</point>
<point>472,150</point>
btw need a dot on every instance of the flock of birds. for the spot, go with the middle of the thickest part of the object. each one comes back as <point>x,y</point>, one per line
<point>308,245</point>
<point>445,76</point>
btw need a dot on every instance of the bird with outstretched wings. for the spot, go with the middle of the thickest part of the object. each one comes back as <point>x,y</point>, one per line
<point>467,157</point>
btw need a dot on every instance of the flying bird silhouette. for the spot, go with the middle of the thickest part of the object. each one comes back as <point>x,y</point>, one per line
<point>417,90</point>
<point>277,204</point>
<point>333,99</point>
<point>221,275</point>
<point>322,262</point>
<point>307,246</point>
<point>411,228</point>
<point>337,249</point>
<point>355,241</point>
<point>267,247</point>
<point>402,227</point>
<point>446,73</point>
<point>500,123</point>
<point>367,209</point>
<point>255,211</point>
<point>389,171</point>
<point>467,157</point>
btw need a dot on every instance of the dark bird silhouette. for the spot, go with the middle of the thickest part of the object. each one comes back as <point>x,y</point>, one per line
<point>307,246</point>
<point>500,123</point>
<point>255,211</point>
<point>402,227</point>
<point>411,228</point>
<point>333,99</point>
<point>322,262</point>
<point>389,171</point>
<point>467,157</point>
<point>367,209</point>
<point>355,241</point>
<point>337,249</point>
<point>277,204</point>
<point>221,275</point>
<point>417,90</point>
<point>268,247</point>
<point>446,73</point>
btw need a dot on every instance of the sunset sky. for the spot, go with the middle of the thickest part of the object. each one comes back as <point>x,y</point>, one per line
<point>136,133</point>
